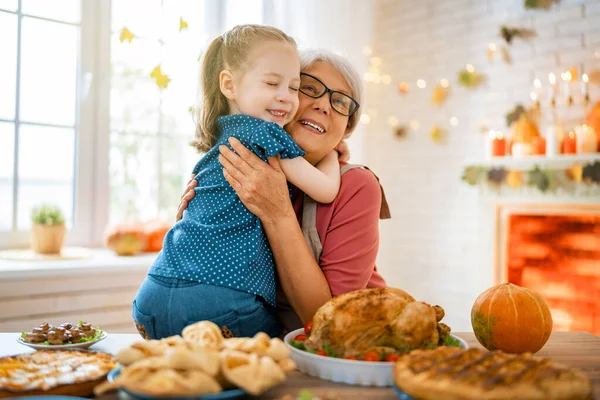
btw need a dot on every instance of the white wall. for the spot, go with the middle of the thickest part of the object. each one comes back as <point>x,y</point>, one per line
<point>438,243</point>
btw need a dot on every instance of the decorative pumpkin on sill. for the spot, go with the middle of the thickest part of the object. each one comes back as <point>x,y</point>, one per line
<point>155,232</point>
<point>524,134</point>
<point>48,229</point>
<point>125,239</point>
<point>511,318</point>
<point>593,120</point>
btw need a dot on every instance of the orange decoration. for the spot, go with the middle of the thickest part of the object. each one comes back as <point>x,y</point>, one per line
<point>539,145</point>
<point>570,143</point>
<point>498,146</point>
<point>125,239</point>
<point>593,120</point>
<point>511,318</point>
<point>155,232</point>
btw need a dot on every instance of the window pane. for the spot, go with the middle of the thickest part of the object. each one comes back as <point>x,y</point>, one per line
<point>133,167</point>
<point>48,72</point>
<point>141,17</point>
<point>178,159</point>
<point>46,154</point>
<point>8,66</point>
<point>10,5</point>
<point>60,10</point>
<point>134,97</point>
<point>7,135</point>
<point>32,194</point>
<point>244,12</point>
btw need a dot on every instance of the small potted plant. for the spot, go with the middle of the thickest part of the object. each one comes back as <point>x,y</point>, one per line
<point>48,230</point>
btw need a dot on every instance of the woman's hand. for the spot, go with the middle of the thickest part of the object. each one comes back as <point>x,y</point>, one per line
<point>343,150</point>
<point>261,187</point>
<point>186,197</point>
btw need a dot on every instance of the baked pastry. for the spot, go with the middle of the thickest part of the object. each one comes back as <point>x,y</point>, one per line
<point>452,373</point>
<point>52,372</point>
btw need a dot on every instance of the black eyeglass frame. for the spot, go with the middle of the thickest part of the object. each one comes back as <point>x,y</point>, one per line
<point>331,92</point>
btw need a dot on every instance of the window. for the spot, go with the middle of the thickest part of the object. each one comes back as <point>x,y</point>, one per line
<point>40,111</point>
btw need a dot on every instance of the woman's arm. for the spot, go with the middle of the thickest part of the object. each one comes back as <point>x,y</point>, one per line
<point>321,182</point>
<point>263,189</point>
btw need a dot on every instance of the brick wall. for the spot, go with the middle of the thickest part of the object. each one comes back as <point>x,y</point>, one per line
<point>438,244</point>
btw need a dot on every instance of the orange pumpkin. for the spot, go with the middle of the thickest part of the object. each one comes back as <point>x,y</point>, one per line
<point>155,232</point>
<point>511,318</point>
<point>125,239</point>
<point>593,120</point>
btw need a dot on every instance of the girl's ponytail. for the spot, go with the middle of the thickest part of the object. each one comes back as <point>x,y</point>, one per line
<point>214,103</point>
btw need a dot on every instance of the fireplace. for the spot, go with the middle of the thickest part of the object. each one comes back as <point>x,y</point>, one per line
<point>553,249</point>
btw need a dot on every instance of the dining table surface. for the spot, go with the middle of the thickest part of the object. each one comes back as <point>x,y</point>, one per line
<point>575,349</point>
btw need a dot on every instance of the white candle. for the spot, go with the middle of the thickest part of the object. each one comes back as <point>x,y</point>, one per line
<point>586,139</point>
<point>553,136</point>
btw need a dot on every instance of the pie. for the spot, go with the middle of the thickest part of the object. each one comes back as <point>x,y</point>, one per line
<point>54,372</point>
<point>452,373</point>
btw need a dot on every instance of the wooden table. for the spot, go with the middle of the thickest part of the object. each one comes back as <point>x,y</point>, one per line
<point>576,349</point>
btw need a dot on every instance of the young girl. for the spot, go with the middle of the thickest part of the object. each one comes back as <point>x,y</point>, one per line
<point>216,263</point>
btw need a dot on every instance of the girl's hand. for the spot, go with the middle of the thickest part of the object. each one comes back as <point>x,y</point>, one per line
<point>343,150</point>
<point>186,197</point>
<point>261,187</point>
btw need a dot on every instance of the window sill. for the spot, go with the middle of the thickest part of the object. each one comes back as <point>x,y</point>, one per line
<point>102,260</point>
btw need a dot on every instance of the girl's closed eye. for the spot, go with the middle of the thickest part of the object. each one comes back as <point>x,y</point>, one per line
<point>274,84</point>
<point>294,88</point>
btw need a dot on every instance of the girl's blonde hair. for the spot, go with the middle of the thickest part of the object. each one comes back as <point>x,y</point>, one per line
<point>229,51</point>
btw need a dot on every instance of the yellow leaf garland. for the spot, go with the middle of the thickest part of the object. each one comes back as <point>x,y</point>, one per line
<point>126,34</point>
<point>162,80</point>
<point>182,24</point>
<point>440,94</point>
<point>514,179</point>
<point>437,134</point>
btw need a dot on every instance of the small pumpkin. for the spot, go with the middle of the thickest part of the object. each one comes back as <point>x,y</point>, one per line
<point>524,130</point>
<point>511,318</point>
<point>593,120</point>
<point>155,232</point>
<point>125,239</point>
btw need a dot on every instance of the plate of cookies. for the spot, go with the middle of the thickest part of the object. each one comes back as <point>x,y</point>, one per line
<point>200,364</point>
<point>64,336</point>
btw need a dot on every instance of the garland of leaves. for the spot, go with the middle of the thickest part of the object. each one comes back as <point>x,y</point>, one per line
<point>544,180</point>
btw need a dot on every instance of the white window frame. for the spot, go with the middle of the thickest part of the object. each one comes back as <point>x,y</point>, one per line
<point>91,144</point>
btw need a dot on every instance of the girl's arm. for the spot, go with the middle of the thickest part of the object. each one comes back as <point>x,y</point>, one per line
<point>320,182</point>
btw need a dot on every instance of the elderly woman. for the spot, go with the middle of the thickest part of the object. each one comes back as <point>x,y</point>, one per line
<point>320,250</point>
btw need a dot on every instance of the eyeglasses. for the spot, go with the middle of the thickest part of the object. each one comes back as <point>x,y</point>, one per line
<point>340,102</point>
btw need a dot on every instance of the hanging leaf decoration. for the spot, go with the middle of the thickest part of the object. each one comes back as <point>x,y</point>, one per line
<point>537,4</point>
<point>508,34</point>
<point>400,131</point>
<point>505,55</point>
<point>470,79</point>
<point>403,88</point>
<point>473,174</point>
<point>126,34</point>
<point>182,24</point>
<point>514,179</point>
<point>439,95</point>
<point>514,114</point>
<point>591,173</point>
<point>162,80</point>
<point>437,134</point>
<point>575,173</point>
<point>539,178</point>
<point>496,175</point>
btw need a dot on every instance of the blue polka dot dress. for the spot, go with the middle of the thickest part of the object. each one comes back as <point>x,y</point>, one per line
<point>218,241</point>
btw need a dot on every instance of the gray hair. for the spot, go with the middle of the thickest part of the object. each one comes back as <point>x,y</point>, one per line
<point>350,74</point>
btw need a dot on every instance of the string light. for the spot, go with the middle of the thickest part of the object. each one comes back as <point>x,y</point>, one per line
<point>453,121</point>
<point>375,61</point>
<point>533,96</point>
<point>537,83</point>
<point>492,47</point>
<point>365,119</point>
<point>470,68</point>
<point>386,79</point>
<point>444,83</point>
<point>421,83</point>
<point>367,51</point>
<point>392,121</point>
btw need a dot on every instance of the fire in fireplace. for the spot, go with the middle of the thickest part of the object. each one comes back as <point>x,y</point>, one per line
<point>556,252</point>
